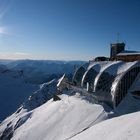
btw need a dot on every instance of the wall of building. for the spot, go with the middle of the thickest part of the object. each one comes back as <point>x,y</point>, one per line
<point>128,58</point>
<point>111,83</point>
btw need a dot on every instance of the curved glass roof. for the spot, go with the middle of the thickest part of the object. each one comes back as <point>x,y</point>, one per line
<point>121,72</point>
<point>125,78</point>
<point>109,81</point>
<point>77,78</point>
<point>109,69</point>
<point>105,80</point>
<point>89,76</point>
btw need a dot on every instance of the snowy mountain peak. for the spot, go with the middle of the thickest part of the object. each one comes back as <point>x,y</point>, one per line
<point>46,92</point>
<point>76,115</point>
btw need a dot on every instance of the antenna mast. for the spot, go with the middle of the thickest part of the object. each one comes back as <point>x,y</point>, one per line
<point>118,37</point>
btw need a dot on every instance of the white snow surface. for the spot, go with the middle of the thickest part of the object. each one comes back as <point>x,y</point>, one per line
<point>75,118</point>
<point>125,127</point>
<point>58,120</point>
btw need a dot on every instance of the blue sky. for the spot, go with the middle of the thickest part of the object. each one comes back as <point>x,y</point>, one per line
<point>66,29</point>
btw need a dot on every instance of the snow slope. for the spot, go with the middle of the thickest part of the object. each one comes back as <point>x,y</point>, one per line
<point>54,120</point>
<point>125,127</point>
<point>16,87</point>
<point>74,117</point>
<point>124,124</point>
<point>71,118</point>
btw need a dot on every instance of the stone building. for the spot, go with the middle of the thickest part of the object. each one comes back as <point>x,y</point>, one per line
<point>118,52</point>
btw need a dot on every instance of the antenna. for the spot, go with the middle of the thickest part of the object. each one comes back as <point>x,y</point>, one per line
<point>118,37</point>
<point>128,47</point>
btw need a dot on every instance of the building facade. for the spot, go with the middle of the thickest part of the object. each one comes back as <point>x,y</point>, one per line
<point>109,81</point>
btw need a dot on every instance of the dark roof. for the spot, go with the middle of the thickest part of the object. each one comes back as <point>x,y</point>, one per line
<point>128,52</point>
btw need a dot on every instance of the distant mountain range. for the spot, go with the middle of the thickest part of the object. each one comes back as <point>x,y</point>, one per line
<point>74,117</point>
<point>20,78</point>
<point>40,71</point>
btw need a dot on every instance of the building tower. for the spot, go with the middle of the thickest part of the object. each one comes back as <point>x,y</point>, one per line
<point>116,48</point>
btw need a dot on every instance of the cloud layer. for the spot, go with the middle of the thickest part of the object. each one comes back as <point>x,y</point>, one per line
<point>15,55</point>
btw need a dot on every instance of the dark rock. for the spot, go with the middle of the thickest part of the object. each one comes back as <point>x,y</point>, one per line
<point>56,98</point>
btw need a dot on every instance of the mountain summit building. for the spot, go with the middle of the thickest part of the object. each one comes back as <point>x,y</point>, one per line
<point>118,52</point>
<point>109,80</point>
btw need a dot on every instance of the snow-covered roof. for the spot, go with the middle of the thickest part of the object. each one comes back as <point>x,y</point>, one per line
<point>117,69</point>
<point>104,77</point>
<point>110,68</point>
<point>81,70</point>
<point>127,52</point>
<point>97,66</point>
<point>60,80</point>
<point>108,79</point>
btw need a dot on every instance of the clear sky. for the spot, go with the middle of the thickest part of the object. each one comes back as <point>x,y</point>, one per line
<point>66,29</point>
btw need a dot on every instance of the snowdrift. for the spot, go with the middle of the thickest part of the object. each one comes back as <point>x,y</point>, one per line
<point>125,127</point>
<point>53,120</point>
